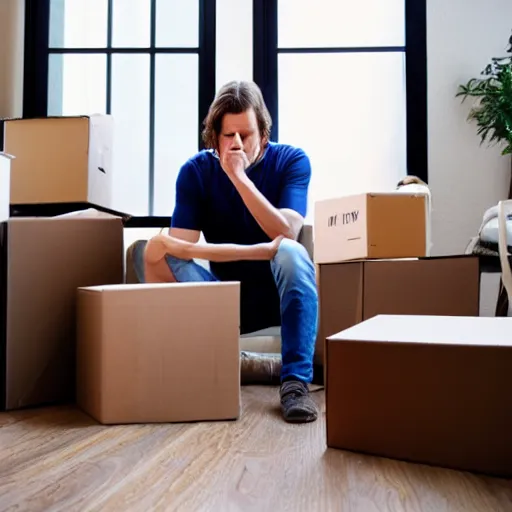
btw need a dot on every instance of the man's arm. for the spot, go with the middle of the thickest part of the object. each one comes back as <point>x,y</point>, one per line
<point>187,250</point>
<point>288,218</point>
<point>273,221</point>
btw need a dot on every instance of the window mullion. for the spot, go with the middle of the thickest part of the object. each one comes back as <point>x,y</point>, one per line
<point>110,22</point>
<point>152,64</point>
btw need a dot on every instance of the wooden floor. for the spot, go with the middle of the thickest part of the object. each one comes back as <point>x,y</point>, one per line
<point>60,460</point>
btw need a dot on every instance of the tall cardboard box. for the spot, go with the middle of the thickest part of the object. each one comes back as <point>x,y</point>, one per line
<point>426,389</point>
<point>5,181</point>
<point>159,352</point>
<point>352,292</point>
<point>42,263</point>
<point>61,160</point>
<point>371,226</point>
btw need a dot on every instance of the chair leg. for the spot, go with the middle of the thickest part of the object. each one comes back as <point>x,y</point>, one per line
<point>502,302</point>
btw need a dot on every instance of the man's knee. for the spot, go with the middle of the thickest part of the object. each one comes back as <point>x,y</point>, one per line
<point>292,256</point>
<point>156,268</point>
<point>154,251</point>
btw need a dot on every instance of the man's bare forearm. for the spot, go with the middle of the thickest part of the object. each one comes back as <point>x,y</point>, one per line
<point>230,252</point>
<point>269,218</point>
<point>214,252</point>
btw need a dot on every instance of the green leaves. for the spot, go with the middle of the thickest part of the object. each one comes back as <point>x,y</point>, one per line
<point>492,94</point>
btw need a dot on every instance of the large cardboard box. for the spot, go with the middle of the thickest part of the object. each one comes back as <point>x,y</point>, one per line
<point>351,292</point>
<point>159,352</point>
<point>61,160</point>
<point>5,183</point>
<point>373,226</point>
<point>429,389</point>
<point>42,263</point>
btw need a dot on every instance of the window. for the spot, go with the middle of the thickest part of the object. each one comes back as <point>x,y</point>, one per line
<point>149,63</point>
<point>344,80</point>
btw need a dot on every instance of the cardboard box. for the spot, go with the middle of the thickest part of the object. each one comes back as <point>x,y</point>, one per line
<point>432,390</point>
<point>5,184</point>
<point>355,291</point>
<point>61,160</point>
<point>373,226</point>
<point>42,263</point>
<point>159,352</point>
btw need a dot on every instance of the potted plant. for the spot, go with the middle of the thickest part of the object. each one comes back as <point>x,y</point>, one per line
<point>492,110</point>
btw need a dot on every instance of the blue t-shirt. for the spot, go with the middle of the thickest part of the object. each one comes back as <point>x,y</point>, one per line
<point>207,201</point>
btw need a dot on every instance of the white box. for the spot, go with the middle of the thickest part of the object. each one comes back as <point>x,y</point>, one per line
<point>5,184</point>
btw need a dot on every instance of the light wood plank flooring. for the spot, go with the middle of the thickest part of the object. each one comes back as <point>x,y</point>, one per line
<point>59,459</point>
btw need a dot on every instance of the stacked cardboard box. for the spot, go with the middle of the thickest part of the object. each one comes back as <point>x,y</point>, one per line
<point>371,257</point>
<point>61,160</point>
<point>70,329</point>
<point>42,263</point>
<point>411,370</point>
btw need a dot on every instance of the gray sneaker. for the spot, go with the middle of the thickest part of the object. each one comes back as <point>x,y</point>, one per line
<point>297,405</point>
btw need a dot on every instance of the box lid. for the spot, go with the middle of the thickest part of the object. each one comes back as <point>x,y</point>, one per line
<point>442,330</point>
<point>43,118</point>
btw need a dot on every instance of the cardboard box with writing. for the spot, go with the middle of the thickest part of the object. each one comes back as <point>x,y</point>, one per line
<point>5,183</point>
<point>42,263</point>
<point>159,352</point>
<point>370,226</point>
<point>351,292</point>
<point>61,160</point>
<point>426,389</point>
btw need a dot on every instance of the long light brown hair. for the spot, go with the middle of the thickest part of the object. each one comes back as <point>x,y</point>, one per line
<point>234,98</point>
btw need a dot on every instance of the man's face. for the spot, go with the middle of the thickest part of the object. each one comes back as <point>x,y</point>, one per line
<point>240,132</point>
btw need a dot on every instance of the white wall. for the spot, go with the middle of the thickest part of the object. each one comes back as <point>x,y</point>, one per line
<point>466,179</point>
<point>11,57</point>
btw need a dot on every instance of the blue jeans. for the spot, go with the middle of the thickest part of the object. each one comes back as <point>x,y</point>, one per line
<point>294,276</point>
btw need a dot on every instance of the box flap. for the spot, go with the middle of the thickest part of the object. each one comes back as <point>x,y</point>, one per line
<point>443,330</point>
<point>156,286</point>
<point>10,119</point>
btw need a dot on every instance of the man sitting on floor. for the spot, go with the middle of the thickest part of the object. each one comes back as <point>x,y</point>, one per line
<point>248,196</point>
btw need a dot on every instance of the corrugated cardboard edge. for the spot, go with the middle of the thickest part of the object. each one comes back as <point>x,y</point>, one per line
<point>87,299</point>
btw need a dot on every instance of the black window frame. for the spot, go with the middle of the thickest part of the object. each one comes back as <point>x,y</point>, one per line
<point>38,51</point>
<point>265,72</point>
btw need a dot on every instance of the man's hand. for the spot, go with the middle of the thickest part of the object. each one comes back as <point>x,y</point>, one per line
<point>234,162</point>
<point>273,247</point>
